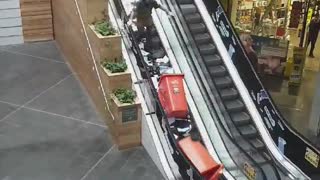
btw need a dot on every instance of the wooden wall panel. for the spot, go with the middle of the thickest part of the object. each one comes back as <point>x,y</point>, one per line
<point>36,20</point>
<point>71,39</point>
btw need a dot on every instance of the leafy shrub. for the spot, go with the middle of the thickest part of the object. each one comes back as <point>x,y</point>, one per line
<point>125,95</point>
<point>115,67</point>
<point>104,28</point>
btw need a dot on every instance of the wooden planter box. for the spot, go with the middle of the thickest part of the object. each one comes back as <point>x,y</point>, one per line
<point>105,47</point>
<point>127,123</point>
<point>112,81</point>
<point>96,10</point>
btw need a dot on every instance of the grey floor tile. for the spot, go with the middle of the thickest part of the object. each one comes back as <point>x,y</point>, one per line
<point>46,49</point>
<point>68,99</point>
<point>126,165</point>
<point>6,109</point>
<point>38,146</point>
<point>24,77</point>
<point>295,103</point>
<point>141,166</point>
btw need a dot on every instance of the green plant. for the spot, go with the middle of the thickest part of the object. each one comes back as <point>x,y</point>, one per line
<point>125,95</point>
<point>115,67</point>
<point>104,28</point>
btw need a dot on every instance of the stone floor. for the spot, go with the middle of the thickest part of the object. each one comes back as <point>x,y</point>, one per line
<point>296,103</point>
<point>49,129</point>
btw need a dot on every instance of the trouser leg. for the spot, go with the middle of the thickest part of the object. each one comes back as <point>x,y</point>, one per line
<point>313,43</point>
<point>308,43</point>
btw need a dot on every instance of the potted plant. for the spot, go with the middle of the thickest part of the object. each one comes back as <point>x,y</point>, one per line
<point>115,75</point>
<point>105,41</point>
<point>124,96</point>
<point>127,113</point>
<point>96,10</point>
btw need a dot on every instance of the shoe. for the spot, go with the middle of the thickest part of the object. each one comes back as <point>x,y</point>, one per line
<point>312,56</point>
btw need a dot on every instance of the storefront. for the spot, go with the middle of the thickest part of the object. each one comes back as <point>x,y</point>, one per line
<point>276,28</point>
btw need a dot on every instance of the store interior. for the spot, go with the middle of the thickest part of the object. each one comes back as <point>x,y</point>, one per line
<point>290,75</point>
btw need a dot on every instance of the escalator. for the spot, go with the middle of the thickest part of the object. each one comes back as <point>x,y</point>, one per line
<point>233,158</point>
<point>163,86</point>
<point>250,114</point>
<point>231,105</point>
<point>151,71</point>
<point>227,101</point>
<point>223,92</point>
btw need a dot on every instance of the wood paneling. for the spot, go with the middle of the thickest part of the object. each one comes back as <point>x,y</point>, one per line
<point>71,39</point>
<point>36,20</point>
<point>96,10</point>
<point>70,36</point>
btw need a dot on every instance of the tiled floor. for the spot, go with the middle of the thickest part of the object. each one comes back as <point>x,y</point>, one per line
<point>296,103</point>
<point>49,129</point>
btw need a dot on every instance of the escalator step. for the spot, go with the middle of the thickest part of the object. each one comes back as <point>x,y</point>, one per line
<point>257,144</point>
<point>207,49</point>
<point>202,38</point>
<point>267,156</point>
<point>185,1</point>
<point>212,60</point>
<point>248,131</point>
<point>188,9</point>
<point>223,82</point>
<point>198,28</point>
<point>235,105</point>
<point>217,71</point>
<point>259,158</point>
<point>193,18</point>
<point>228,94</point>
<point>241,118</point>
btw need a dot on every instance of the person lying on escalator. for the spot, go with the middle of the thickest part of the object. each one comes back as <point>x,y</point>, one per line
<point>142,11</point>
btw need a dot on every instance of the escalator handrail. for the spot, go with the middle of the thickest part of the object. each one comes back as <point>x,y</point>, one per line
<point>293,169</point>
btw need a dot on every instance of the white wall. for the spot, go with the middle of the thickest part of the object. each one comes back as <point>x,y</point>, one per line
<point>10,22</point>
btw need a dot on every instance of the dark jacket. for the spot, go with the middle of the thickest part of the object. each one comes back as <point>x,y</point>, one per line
<point>144,8</point>
<point>314,28</point>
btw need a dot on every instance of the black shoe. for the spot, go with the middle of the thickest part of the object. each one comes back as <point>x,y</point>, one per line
<point>311,55</point>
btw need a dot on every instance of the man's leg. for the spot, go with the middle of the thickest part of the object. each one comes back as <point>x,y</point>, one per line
<point>313,43</point>
<point>308,43</point>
